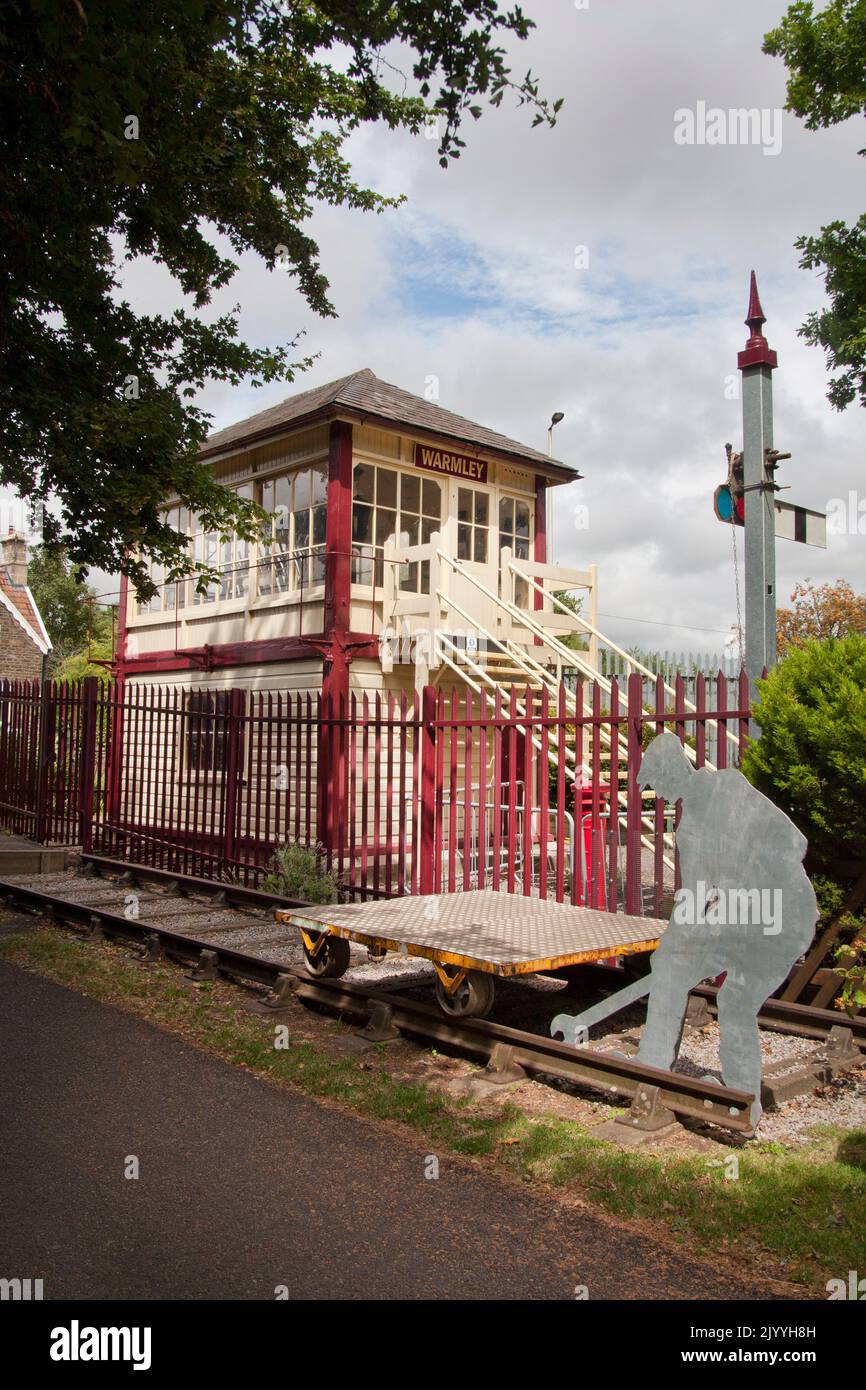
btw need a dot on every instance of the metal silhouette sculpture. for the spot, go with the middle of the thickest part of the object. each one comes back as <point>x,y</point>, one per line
<point>746,909</point>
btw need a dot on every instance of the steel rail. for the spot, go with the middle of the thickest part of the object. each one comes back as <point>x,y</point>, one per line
<point>806,1020</point>
<point>188,883</point>
<point>783,1015</point>
<point>535,1054</point>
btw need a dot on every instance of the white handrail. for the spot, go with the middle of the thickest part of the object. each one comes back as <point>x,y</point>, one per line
<point>605,736</point>
<point>630,660</point>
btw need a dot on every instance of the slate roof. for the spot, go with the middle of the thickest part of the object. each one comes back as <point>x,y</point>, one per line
<point>363,396</point>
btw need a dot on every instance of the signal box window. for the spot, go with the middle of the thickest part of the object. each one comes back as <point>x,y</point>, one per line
<point>294,558</point>
<point>206,731</point>
<point>473,520</point>
<point>514,531</point>
<point>387,503</point>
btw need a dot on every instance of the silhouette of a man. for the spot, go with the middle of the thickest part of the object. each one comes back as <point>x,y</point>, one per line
<point>745,907</point>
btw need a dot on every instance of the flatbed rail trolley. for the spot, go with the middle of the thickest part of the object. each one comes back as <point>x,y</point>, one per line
<point>471,938</point>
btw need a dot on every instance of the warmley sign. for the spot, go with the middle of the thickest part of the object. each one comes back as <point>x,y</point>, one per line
<point>437,460</point>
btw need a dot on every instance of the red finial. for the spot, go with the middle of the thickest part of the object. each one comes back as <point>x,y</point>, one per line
<point>755,316</point>
<point>757,352</point>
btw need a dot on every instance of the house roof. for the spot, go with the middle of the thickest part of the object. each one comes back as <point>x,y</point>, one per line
<point>363,397</point>
<point>17,600</point>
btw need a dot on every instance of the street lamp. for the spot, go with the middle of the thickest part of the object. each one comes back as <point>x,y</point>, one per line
<point>554,420</point>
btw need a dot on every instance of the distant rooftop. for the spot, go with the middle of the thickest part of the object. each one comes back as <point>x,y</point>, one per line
<point>363,397</point>
<point>17,599</point>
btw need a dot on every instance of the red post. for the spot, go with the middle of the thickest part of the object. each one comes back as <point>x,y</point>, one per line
<point>87,761</point>
<point>122,619</point>
<point>233,764</point>
<point>721,710</point>
<point>427,814</point>
<point>46,747</point>
<point>745,712</point>
<point>338,597</point>
<point>659,813</point>
<point>633,809</point>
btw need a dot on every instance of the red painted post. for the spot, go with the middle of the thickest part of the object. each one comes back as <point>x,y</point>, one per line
<point>700,721</point>
<point>427,814</point>
<point>577,790</point>
<point>511,748</point>
<point>365,783</point>
<point>389,793</point>
<point>468,728</point>
<point>309,724</point>
<point>527,792</point>
<point>87,761</point>
<point>498,774</point>
<point>680,728</point>
<point>416,789</point>
<point>403,753</point>
<point>613,799</point>
<point>721,709</point>
<point>338,596</point>
<point>680,707</point>
<point>544,793</point>
<point>233,764</point>
<point>592,849</point>
<point>633,804</point>
<point>452,793</point>
<point>338,531</point>
<point>659,813</point>
<point>439,795</point>
<point>482,789</point>
<point>744,702</point>
<point>561,779</point>
<point>377,789</point>
<point>46,748</point>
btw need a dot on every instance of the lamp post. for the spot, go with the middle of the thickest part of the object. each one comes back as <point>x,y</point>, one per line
<point>554,420</point>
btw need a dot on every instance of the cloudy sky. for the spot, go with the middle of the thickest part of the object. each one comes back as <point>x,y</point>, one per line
<point>474,280</point>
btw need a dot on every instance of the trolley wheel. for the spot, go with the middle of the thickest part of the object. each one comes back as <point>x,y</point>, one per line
<point>331,961</point>
<point>473,997</point>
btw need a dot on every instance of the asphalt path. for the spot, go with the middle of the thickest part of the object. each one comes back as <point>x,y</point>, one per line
<point>245,1188</point>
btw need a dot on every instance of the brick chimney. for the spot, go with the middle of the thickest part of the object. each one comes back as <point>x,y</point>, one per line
<point>13,557</point>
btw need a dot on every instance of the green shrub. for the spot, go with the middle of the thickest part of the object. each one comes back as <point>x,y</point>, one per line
<point>297,872</point>
<point>811,756</point>
<point>811,761</point>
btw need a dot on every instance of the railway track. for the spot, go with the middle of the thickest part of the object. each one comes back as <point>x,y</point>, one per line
<point>508,1053</point>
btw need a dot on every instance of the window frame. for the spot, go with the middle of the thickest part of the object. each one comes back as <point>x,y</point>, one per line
<point>367,555</point>
<point>474,526</point>
<point>248,558</point>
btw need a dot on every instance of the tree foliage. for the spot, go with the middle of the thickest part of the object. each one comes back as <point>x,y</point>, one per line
<point>828,610</point>
<point>92,660</point>
<point>187,132</point>
<point>73,618</point>
<point>826,57</point>
<point>810,758</point>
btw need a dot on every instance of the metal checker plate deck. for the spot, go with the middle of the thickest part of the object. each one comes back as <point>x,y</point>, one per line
<point>503,933</point>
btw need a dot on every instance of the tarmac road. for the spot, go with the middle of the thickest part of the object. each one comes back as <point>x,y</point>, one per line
<point>244,1186</point>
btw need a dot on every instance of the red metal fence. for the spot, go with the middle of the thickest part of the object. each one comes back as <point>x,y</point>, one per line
<point>520,792</point>
<point>47,735</point>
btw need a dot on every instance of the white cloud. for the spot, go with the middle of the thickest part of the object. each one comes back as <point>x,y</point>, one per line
<point>474,280</point>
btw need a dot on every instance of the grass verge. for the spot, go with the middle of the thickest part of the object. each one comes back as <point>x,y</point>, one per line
<point>796,1215</point>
